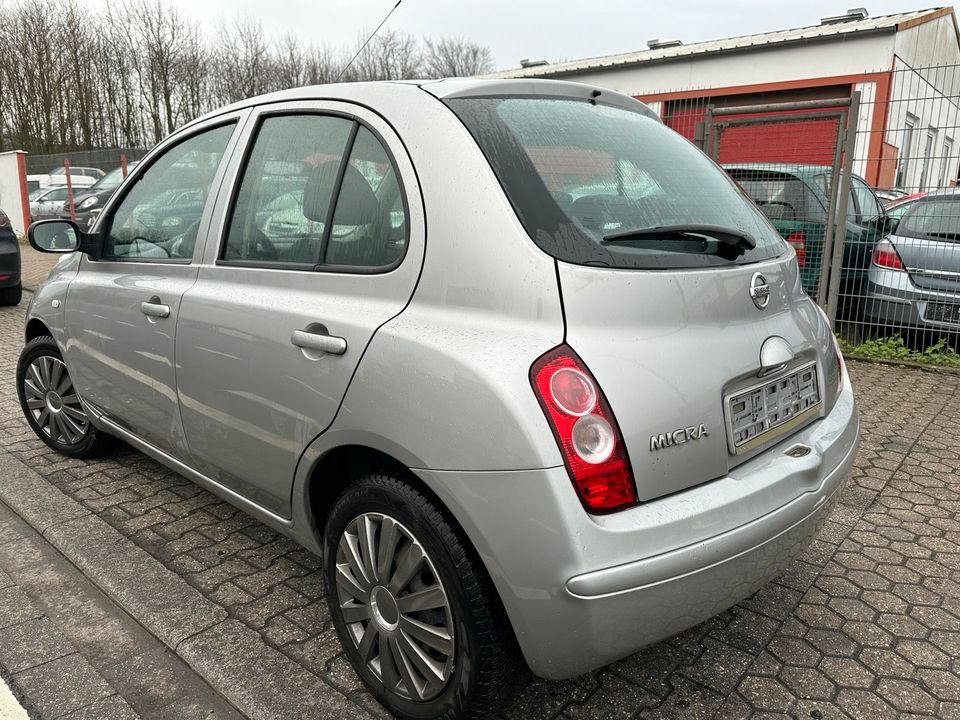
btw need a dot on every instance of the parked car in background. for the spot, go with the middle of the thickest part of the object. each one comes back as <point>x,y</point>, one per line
<point>896,208</point>
<point>88,203</point>
<point>532,375</point>
<point>888,195</point>
<point>10,286</point>
<point>795,198</point>
<point>47,202</point>
<point>80,177</point>
<point>914,279</point>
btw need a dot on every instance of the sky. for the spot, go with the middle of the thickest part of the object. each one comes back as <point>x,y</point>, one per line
<point>558,30</point>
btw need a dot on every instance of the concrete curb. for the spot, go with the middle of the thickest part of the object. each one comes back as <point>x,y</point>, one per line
<point>261,682</point>
<point>944,370</point>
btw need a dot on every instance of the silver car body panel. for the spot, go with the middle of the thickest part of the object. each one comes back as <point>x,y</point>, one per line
<point>440,362</point>
<point>706,333</point>
<point>617,582</point>
<point>248,425</point>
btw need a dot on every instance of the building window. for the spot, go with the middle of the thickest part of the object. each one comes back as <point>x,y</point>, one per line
<point>949,166</point>
<point>928,145</point>
<point>903,166</point>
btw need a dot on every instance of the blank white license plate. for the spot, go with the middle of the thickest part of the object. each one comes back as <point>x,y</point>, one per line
<point>757,415</point>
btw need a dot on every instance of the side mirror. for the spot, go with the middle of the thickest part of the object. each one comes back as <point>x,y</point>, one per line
<point>54,236</point>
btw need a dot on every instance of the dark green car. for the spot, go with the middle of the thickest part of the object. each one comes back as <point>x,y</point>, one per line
<point>795,198</point>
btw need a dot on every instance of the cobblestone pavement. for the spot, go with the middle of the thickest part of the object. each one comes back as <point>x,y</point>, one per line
<point>866,624</point>
<point>35,266</point>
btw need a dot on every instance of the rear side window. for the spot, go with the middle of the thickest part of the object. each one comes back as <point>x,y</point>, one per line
<point>369,224</point>
<point>780,196</point>
<point>578,174</point>
<point>867,203</point>
<point>303,170</point>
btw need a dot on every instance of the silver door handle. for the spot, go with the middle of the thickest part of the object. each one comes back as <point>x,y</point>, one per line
<point>155,309</point>
<point>317,341</point>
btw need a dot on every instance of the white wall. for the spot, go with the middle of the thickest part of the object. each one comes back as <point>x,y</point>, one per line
<point>926,84</point>
<point>855,54</point>
<point>12,190</point>
<point>868,109</point>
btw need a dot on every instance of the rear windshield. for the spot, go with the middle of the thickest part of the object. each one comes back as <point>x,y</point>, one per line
<point>780,196</point>
<point>576,172</point>
<point>112,180</point>
<point>932,219</point>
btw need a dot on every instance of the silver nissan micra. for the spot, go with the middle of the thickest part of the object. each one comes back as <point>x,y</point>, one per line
<point>527,369</point>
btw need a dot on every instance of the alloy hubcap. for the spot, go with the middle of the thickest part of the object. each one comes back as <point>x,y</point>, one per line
<point>395,607</point>
<point>52,401</point>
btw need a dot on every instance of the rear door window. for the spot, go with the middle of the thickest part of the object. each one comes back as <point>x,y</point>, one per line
<point>578,173</point>
<point>318,191</point>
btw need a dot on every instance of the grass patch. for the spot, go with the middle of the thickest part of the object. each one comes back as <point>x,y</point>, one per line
<point>940,354</point>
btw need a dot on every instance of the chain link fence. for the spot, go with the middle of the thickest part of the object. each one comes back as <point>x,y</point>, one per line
<point>906,146</point>
<point>862,182</point>
<point>105,160</point>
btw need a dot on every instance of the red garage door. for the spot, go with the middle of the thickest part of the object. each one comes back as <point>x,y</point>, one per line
<point>795,141</point>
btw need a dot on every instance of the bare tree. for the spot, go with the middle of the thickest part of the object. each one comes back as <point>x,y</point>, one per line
<point>455,57</point>
<point>390,55</point>
<point>75,78</point>
<point>242,60</point>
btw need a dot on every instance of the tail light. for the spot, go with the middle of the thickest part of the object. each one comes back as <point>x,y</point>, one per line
<point>586,431</point>
<point>885,256</point>
<point>4,220</point>
<point>798,240</point>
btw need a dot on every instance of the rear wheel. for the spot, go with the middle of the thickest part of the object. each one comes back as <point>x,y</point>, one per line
<point>11,295</point>
<point>413,607</point>
<point>51,404</point>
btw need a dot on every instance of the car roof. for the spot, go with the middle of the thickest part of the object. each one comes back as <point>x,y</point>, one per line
<point>940,194</point>
<point>444,89</point>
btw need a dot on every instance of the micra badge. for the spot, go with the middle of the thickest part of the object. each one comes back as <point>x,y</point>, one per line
<point>678,437</point>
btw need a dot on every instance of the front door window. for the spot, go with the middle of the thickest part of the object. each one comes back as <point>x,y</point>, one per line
<point>160,217</point>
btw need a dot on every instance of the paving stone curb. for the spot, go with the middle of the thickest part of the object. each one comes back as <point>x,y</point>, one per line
<point>261,682</point>
<point>903,363</point>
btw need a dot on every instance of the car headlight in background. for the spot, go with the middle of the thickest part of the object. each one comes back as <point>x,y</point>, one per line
<point>88,203</point>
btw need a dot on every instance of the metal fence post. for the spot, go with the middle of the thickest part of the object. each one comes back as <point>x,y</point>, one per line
<point>843,196</point>
<point>66,167</point>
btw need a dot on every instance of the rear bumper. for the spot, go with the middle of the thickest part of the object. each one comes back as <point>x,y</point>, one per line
<point>9,261</point>
<point>893,301</point>
<point>583,591</point>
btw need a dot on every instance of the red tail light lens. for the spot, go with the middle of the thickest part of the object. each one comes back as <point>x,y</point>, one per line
<point>885,256</point>
<point>586,431</point>
<point>799,242</point>
<point>4,220</point>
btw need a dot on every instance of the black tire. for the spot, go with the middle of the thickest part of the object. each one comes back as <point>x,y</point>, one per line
<point>11,295</point>
<point>91,442</point>
<point>487,668</point>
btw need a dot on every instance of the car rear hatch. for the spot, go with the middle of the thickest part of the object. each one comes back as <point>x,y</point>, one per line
<point>670,350</point>
<point>928,242</point>
<point>932,264</point>
<point>672,281</point>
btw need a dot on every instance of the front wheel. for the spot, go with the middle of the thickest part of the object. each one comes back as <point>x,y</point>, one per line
<point>51,404</point>
<point>413,607</point>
